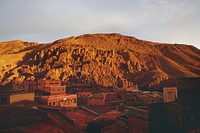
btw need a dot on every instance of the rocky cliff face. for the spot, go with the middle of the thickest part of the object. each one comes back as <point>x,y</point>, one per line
<point>104,59</point>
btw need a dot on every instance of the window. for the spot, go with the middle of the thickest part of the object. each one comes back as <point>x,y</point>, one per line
<point>74,100</point>
<point>170,94</point>
<point>67,101</point>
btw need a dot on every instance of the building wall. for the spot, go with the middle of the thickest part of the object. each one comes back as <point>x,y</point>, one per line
<point>111,96</point>
<point>121,129</point>
<point>26,86</point>
<point>126,96</point>
<point>41,85</point>
<point>21,97</point>
<point>53,90</point>
<point>188,90</point>
<point>52,83</point>
<point>16,85</point>
<point>148,99</point>
<point>32,86</point>
<point>83,98</point>
<point>60,100</point>
<point>96,101</point>
<point>121,124</point>
<point>173,114</point>
<point>81,94</point>
<point>137,125</point>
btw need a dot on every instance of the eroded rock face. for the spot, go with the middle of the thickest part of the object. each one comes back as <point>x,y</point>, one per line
<point>108,60</point>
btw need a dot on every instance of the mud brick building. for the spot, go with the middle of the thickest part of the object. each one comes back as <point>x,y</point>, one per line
<point>19,86</point>
<point>188,104</point>
<point>62,100</point>
<point>55,94</point>
<point>148,119</point>
<point>32,86</point>
<point>84,93</point>
<point>52,90</point>
<point>13,97</point>
<point>96,99</point>
<point>83,97</point>
<point>179,116</point>
<point>111,96</point>
<point>75,88</point>
<point>42,84</point>
<point>146,98</point>
<point>27,86</point>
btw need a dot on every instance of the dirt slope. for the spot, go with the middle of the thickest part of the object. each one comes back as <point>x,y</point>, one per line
<point>101,59</point>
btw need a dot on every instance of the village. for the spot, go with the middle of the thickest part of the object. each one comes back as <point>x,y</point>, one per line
<point>124,109</point>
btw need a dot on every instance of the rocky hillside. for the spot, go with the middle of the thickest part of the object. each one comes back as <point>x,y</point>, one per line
<point>100,59</point>
<point>17,46</point>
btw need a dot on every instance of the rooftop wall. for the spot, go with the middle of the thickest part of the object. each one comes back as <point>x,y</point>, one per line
<point>188,90</point>
<point>188,83</point>
<point>21,97</point>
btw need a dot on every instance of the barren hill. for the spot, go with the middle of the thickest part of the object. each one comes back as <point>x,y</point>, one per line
<point>16,46</point>
<point>100,59</point>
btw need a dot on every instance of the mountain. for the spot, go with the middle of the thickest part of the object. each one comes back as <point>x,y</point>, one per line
<point>16,46</point>
<point>110,60</point>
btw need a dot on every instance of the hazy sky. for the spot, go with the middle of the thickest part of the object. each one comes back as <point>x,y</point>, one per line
<point>173,21</point>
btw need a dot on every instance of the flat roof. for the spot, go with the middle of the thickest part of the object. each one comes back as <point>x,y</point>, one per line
<point>14,93</point>
<point>57,96</point>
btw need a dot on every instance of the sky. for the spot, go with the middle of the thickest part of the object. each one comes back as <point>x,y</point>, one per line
<point>170,21</point>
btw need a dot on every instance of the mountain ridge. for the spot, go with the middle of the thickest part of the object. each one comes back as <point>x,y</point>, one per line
<point>102,59</point>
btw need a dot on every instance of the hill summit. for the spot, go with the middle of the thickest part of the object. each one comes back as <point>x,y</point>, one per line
<point>109,60</point>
